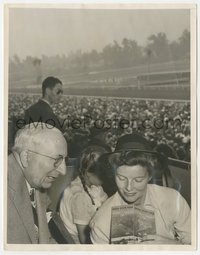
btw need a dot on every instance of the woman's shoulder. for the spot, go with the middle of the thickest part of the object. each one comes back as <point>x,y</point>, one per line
<point>74,188</point>
<point>165,191</point>
<point>107,205</point>
<point>164,195</point>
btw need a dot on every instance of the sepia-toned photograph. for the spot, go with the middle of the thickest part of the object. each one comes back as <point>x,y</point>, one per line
<point>100,126</point>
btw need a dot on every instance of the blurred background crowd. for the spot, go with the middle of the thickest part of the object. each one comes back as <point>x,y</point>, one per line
<point>165,123</point>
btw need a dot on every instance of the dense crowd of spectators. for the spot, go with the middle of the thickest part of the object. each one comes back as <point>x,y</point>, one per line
<point>165,123</point>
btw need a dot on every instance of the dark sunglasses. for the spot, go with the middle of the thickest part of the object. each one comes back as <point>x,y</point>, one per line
<point>60,91</point>
<point>58,160</point>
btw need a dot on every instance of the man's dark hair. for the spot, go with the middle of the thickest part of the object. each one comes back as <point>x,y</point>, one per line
<point>49,82</point>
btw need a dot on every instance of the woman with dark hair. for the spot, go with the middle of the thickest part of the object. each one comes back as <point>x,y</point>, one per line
<point>133,169</point>
<point>84,196</point>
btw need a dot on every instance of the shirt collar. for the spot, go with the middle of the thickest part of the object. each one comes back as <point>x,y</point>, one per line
<point>147,201</point>
<point>44,100</point>
<point>28,186</point>
<point>31,192</point>
<point>18,161</point>
<point>17,158</point>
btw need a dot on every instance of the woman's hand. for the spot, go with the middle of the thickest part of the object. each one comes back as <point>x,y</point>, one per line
<point>156,239</point>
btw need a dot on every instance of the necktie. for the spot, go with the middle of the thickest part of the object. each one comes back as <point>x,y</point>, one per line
<point>41,206</point>
<point>32,195</point>
<point>33,205</point>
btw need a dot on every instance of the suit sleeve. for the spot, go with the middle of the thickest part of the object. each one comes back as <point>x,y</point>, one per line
<point>16,233</point>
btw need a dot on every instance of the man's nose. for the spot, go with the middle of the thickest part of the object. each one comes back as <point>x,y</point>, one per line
<point>62,169</point>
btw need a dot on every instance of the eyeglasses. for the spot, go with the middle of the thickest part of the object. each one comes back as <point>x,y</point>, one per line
<point>58,160</point>
<point>60,91</point>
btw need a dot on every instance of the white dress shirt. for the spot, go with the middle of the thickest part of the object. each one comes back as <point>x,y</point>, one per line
<point>172,215</point>
<point>76,206</point>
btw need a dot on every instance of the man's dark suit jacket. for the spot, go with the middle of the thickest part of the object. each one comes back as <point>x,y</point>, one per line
<point>42,112</point>
<point>20,220</point>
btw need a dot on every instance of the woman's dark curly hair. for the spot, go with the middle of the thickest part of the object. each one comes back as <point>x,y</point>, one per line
<point>133,158</point>
<point>156,164</point>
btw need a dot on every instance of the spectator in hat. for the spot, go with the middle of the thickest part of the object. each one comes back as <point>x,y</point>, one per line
<point>133,168</point>
<point>162,174</point>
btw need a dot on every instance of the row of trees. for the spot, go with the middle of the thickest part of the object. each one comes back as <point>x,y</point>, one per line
<point>115,55</point>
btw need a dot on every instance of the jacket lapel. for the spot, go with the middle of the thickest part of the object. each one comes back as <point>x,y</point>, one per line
<point>21,198</point>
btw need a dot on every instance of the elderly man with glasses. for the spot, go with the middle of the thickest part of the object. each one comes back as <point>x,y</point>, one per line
<point>52,90</point>
<point>37,159</point>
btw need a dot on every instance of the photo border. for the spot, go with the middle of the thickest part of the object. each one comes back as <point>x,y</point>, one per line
<point>68,247</point>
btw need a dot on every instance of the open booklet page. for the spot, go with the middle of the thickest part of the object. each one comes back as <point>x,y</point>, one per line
<point>131,224</point>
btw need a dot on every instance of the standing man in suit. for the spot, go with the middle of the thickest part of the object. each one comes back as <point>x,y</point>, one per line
<point>37,159</point>
<point>42,111</point>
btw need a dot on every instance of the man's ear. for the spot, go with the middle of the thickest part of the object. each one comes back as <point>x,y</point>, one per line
<point>24,158</point>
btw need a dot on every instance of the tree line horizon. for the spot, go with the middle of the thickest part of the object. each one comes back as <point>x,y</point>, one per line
<point>115,55</point>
